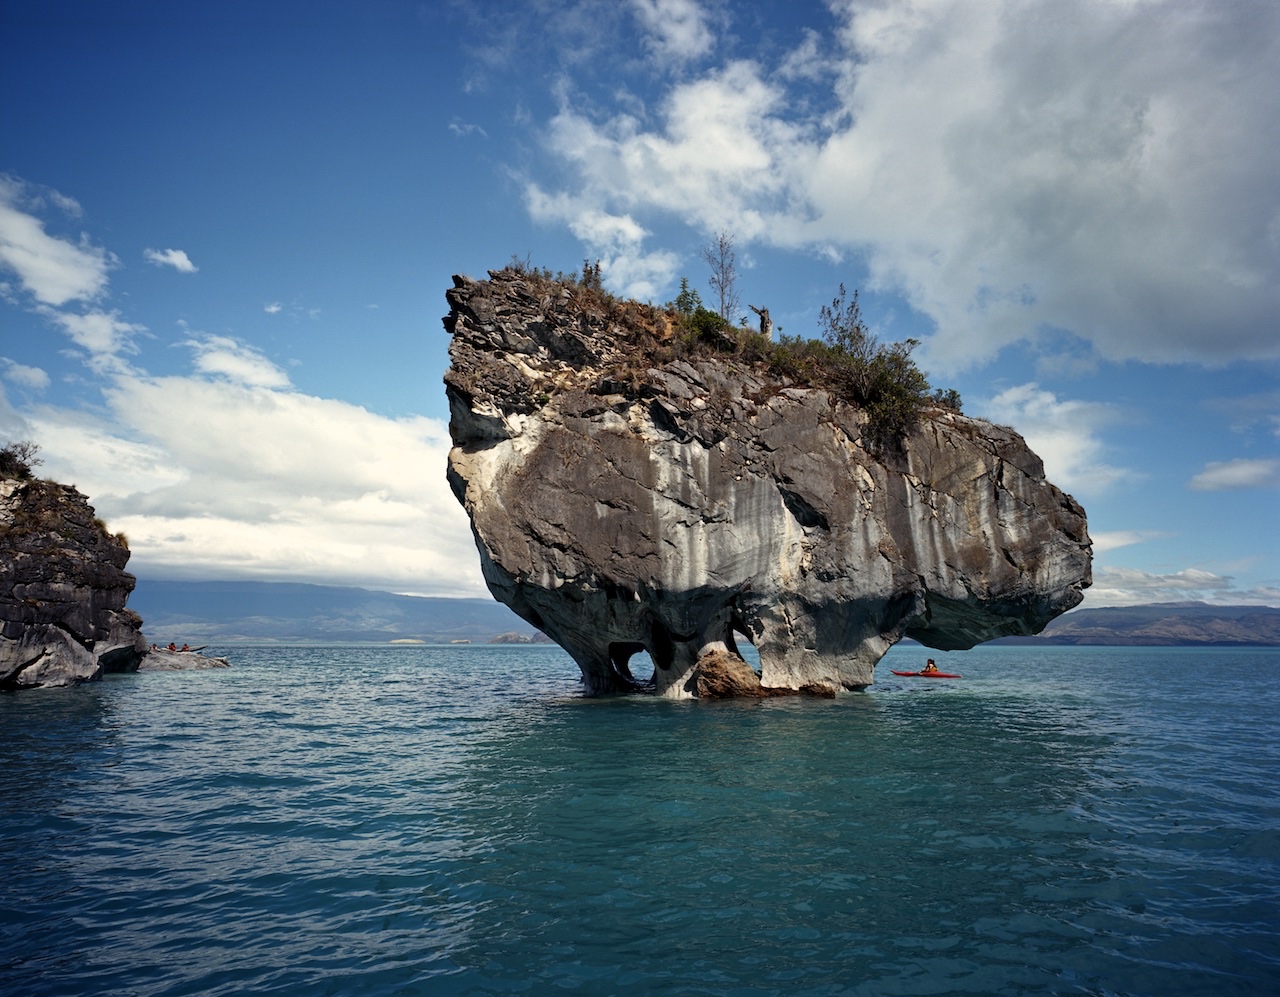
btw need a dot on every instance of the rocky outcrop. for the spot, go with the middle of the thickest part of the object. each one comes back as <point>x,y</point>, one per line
<point>628,494</point>
<point>63,588</point>
<point>159,659</point>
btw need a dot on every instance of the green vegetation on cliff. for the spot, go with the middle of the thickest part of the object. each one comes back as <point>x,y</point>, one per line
<point>880,379</point>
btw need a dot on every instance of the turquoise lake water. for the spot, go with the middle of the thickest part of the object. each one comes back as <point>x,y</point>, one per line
<point>426,820</point>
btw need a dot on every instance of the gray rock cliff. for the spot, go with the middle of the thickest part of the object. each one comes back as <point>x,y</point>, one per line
<point>63,588</point>
<point>627,497</point>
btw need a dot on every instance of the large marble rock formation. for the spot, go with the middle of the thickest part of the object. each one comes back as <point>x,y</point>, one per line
<point>63,589</point>
<point>627,498</point>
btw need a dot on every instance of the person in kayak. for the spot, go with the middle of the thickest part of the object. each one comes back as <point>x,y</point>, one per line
<point>930,667</point>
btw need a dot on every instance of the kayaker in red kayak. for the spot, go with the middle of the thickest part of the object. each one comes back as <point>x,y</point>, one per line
<point>929,671</point>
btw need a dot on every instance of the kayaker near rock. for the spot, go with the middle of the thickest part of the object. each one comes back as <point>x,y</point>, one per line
<point>930,667</point>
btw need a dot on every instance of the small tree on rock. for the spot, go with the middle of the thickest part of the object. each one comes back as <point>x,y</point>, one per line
<point>687,301</point>
<point>18,458</point>
<point>722,260</point>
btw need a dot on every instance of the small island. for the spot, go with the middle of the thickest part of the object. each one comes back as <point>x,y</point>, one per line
<point>658,479</point>
<point>64,587</point>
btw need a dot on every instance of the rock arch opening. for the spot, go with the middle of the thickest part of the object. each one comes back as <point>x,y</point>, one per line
<point>631,663</point>
<point>741,644</point>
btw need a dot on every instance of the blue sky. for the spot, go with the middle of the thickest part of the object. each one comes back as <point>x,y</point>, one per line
<point>226,230</point>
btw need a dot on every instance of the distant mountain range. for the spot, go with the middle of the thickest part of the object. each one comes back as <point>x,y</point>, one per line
<point>1166,624</point>
<point>229,612</point>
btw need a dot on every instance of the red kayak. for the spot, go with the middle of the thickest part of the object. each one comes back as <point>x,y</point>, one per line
<point>928,675</point>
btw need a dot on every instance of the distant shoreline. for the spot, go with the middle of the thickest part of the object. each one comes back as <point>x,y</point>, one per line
<point>301,614</point>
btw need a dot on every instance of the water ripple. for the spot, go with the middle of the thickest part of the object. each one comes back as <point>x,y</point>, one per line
<point>459,820</point>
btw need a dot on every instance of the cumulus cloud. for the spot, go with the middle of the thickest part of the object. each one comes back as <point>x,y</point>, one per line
<point>1132,587</point>
<point>52,270</point>
<point>677,30</point>
<point>175,258</point>
<point>716,161</point>
<point>616,240</point>
<point>1064,432</point>
<point>228,471</point>
<point>212,477</point>
<point>1011,167</point>
<point>1235,474</point>
<point>273,308</point>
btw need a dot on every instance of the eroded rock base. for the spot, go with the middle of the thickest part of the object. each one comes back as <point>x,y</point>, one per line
<point>721,674</point>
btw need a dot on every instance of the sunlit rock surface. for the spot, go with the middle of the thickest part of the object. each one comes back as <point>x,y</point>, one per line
<point>680,505</point>
<point>159,659</point>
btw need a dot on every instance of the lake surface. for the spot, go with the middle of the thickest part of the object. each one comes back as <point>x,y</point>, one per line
<point>427,820</point>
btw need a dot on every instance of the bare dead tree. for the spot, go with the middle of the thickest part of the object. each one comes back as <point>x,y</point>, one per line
<point>722,260</point>
<point>766,323</point>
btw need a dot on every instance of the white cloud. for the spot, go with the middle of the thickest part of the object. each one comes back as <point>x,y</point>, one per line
<point>1132,587</point>
<point>1233,474</point>
<point>211,478</point>
<point>1107,168</point>
<point>55,273</point>
<point>718,162</point>
<point>104,335</point>
<point>678,29</point>
<point>1115,539</point>
<point>465,130</point>
<point>52,270</point>
<point>97,456</point>
<point>24,376</point>
<point>175,258</point>
<point>236,361</point>
<point>714,157</point>
<point>295,310</point>
<point>230,472</point>
<point>616,240</point>
<point>69,206</point>
<point>643,276</point>
<point>1062,431</point>
<point>807,61</point>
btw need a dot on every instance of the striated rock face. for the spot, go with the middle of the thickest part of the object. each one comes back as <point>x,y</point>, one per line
<point>63,589</point>
<point>677,503</point>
